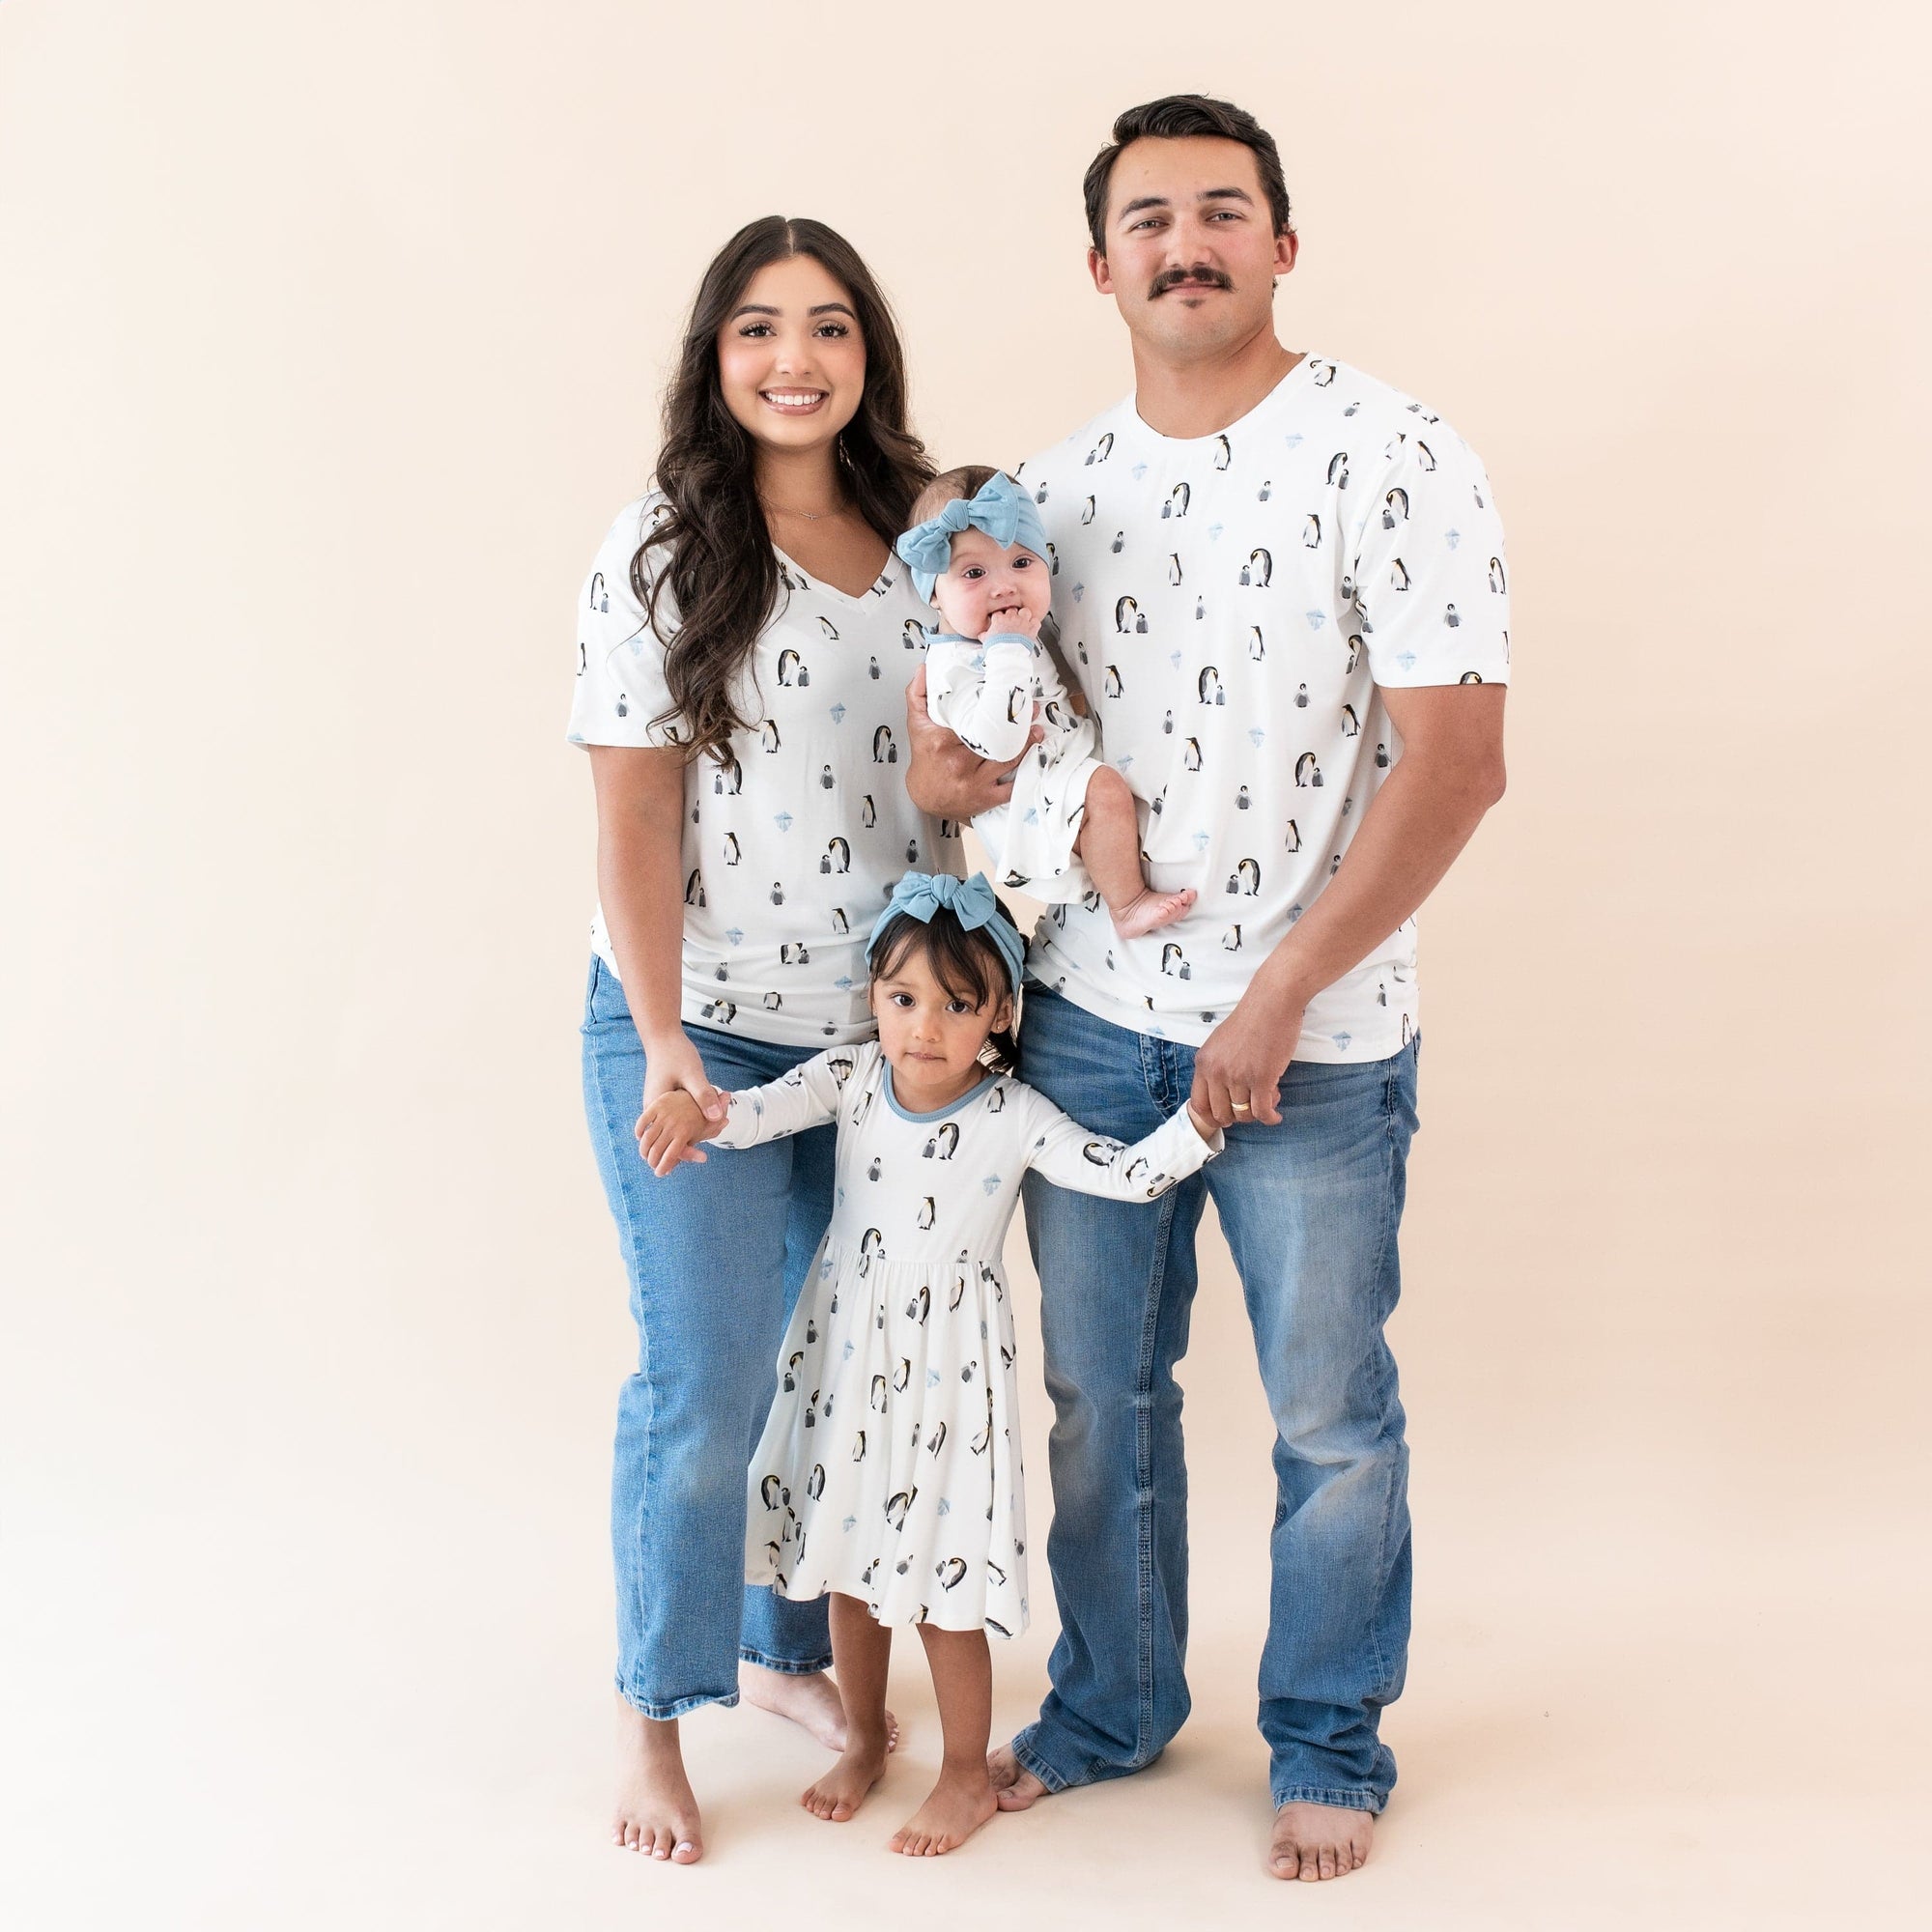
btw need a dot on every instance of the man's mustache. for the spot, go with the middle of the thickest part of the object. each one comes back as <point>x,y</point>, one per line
<point>1180,278</point>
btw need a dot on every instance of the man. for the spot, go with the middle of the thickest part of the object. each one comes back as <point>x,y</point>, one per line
<point>1280,586</point>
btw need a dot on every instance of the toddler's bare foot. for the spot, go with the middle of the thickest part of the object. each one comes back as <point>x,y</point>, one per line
<point>811,1701</point>
<point>1317,1841</point>
<point>843,1789</point>
<point>1148,911</point>
<point>958,1805</point>
<point>656,1812</point>
<point>1014,1788</point>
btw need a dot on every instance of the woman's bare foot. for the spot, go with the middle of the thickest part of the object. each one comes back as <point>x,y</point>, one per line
<point>1014,1788</point>
<point>811,1701</point>
<point>1148,911</point>
<point>656,1812</point>
<point>1317,1842</point>
<point>958,1805</point>
<point>843,1789</point>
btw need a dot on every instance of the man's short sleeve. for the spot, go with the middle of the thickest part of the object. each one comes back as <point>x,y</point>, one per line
<point>621,693</point>
<point>1431,586</point>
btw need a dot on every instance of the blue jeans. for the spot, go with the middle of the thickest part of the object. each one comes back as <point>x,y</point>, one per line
<point>717,1254</point>
<point>1310,1209</point>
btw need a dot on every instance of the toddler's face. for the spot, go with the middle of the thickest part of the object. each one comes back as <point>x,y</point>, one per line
<point>990,589</point>
<point>931,1036</point>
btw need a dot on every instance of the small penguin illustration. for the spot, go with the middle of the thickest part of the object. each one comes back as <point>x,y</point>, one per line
<point>1127,615</point>
<point>858,1443</point>
<point>836,857</point>
<point>1292,842</point>
<point>1406,1032</point>
<point>1354,650</point>
<point>791,1381</point>
<point>1264,493</point>
<point>1497,583</point>
<point>825,625</point>
<point>1241,799</point>
<point>912,851</point>
<point>1470,677</point>
<point>1427,455</point>
<point>1207,685</point>
<point>1258,569</point>
<point>730,849</point>
<point>770,1489</point>
<point>872,668</point>
<point>788,666</point>
<point>1382,758</point>
<point>773,1001</point>
<point>1173,963</point>
<point>1224,453</point>
<point>778,891</point>
<point>913,634</point>
<point>1257,649</point>
<point>1450,617</point>
<point>869,813</point>
<point>1246,877</point>
<point>1311,531</point>
<point>1321,374</point>
<point>1120,542</point>
<point>826,778</point>
<point>1103,450</point>
<point>1173,566</point>
<point>872,1168</point>
<point>925,1214</point>
<point>768,735</point>
<point>898,1505</point>
<point>1337,469</point>
<point>919,1306</point>
<point>878,1395</point>
<point>996,1100</point>
<point>1190,755</point>
<point>1167,723</point>
<point>944,1144</point>
<point>600,598</point>
<point>839,922</point>
<point>1399,575</point>
<point>723,1011</point>
<point>959,1293</point>
<point>1307,771</point>
<point>1230,940</point>
<point>1177,504</point>
<point>884,751</point>
<point>1018,701</point>
<point>814,1484</point>
<point>694,888</point>
<point>1111,683</point>
<point>1395,508</point>
<point>1087,511</point>
<point>1052,560</point>
<point>623,704</point>
<point>793,952</point>
<point>950,1572</point>
<point>1352,726</point>
<point>729,780</point>
<point>1301,698</point>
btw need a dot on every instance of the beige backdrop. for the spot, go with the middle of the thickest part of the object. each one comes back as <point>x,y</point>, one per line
<point>331,339</point>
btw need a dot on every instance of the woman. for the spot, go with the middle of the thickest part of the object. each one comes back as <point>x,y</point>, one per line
<point>745,642</point>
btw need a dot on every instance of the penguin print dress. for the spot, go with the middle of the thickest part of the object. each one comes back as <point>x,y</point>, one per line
<point>890,1464</point>
<point>988,695</point>
<point>792,845</point>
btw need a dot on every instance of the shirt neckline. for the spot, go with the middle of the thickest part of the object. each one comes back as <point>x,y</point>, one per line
<point>1294,377</point>
<point>972,1093</point>
<point>878,586</point>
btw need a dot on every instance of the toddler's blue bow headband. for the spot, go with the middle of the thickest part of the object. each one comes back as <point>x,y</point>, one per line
<point>971,901</point>
<point>1001,509</point>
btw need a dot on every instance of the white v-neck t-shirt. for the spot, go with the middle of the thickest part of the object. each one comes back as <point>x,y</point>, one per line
<point>791,849</point>
<point>1233,605</point>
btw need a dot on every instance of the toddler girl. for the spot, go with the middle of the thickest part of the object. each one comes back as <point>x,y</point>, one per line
<point>977,549</point>
<point>888,1472</point>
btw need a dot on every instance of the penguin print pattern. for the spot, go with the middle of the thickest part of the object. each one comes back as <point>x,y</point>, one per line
<point>988,696</point>
<point>890,1468</point>
<point>784,871</point>
<point>1233,658</point>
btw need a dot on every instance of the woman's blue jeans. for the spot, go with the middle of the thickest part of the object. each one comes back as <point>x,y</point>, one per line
<point>1310,1209</point>
<point>716,1252</point>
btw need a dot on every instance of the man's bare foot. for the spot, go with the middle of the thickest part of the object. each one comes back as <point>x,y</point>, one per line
<point>958,1805</point>
<point>1014,1788</point>
<point>843,1789</point>
<point>1315,1841</point>
<point>1148,911</point>
<point>656,1812</point>
<point>809,1701</point>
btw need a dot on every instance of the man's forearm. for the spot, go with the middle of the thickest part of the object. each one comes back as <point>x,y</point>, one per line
<point>1409,836</point>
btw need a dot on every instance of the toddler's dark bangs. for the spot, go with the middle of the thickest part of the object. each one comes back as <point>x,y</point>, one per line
<point>967,966</point>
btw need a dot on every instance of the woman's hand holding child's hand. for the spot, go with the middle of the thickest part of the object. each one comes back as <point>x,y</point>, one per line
<point>667,1128</point>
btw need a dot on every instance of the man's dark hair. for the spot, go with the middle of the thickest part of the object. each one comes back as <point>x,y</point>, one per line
<point>1182,117</point>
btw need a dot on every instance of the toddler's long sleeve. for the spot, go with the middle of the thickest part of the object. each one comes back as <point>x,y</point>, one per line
<point>1068,1156</point>
<point>983,693</point>
<point>807,1096</point>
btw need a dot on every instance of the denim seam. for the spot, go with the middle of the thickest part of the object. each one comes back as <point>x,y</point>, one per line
<point>783,1666</point>
<point>634,1254</point>
<point>1342,1801</point>
<point>1027,1759</point>
<point>676,1707</point>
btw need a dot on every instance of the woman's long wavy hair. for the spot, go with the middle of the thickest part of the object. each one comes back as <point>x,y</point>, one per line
<point>715,550</point>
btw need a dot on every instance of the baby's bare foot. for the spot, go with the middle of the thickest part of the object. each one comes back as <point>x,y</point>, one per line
<point>843,1789</point>
<point>1317,1841</point>
<point>1014,1788</point>
<point>811,1701</point>
<point>656,1812</point>
<point>956,1807</point>
<point>1148,911</point>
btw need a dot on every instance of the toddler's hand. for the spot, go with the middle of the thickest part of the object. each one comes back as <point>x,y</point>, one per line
<point>665,1130</point>
<point>1013,623</point>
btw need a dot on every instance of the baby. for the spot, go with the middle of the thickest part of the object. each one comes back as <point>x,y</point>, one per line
<point>978,551</point>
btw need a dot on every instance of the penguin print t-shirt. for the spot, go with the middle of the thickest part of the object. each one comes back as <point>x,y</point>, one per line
<point>792,846</point>
<point>1234,605</point>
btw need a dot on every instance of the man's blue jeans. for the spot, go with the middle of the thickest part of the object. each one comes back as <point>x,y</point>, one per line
<point>1310,1209</point>
<point>717,1254</point>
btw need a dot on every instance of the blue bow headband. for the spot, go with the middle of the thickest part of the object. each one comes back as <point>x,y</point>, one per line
<point>971,901</point>
<point>1001,509</point>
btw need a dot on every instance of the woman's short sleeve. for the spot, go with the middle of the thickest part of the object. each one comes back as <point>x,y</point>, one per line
<point>621,695</point>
